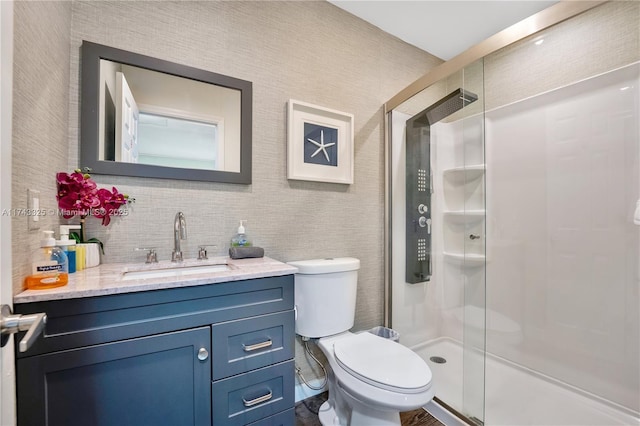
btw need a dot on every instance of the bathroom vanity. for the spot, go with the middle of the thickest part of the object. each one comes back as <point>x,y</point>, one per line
<point>199,349</point>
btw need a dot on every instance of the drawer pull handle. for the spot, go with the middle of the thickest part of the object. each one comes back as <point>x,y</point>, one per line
<point>261,345</point>
<point>258,400</point>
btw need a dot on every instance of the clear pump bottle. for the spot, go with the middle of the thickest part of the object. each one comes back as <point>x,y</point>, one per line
<point>240,239</point>
<point>48,265</point>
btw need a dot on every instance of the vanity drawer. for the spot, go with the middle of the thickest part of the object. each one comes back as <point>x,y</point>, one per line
<point>252,396</point>
<point>285,418</point>
<point>246,344</point>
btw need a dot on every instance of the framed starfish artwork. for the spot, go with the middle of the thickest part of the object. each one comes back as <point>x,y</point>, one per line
<point>319,143</point>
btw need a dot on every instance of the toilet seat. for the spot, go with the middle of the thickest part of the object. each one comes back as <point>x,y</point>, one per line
<point>382,363</point>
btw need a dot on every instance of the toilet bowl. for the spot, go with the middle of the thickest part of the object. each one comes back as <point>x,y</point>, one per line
<point>377,378</point>
<point>371,379</point>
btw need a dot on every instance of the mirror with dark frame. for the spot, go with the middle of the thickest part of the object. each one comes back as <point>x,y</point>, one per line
<point>146,117</point>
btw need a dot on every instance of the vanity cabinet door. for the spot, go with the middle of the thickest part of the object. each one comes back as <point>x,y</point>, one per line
<point>157,380</point>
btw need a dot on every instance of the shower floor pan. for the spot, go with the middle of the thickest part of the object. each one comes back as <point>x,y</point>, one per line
<point>516,396</point>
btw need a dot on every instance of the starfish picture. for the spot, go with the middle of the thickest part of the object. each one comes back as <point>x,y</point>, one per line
<point>321,146</point>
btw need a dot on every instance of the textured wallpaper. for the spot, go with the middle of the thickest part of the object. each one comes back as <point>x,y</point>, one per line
<point>310,51</point>
<point>589,44</point>
<point>40,118</point>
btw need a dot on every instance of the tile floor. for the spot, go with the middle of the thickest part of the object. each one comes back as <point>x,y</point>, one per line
<point>307,414</point>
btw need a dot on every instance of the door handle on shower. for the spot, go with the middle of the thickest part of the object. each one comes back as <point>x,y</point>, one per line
<point>430,182</point>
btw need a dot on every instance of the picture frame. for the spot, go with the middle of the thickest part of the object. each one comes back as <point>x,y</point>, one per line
<point>319,144</point>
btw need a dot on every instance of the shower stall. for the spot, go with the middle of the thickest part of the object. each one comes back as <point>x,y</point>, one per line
<point>513,213</point>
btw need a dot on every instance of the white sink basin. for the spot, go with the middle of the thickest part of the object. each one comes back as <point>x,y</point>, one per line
<point>174,272</point>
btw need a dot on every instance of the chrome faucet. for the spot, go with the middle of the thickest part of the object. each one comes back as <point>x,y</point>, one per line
<point>179,233</point>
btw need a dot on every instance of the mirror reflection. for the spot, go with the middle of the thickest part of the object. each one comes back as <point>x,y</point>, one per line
<point>143,116</point>
<point>153,118</point>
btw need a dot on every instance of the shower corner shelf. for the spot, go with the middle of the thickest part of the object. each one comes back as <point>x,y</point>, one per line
<point>466,258</point>
<point>464,200</point>
<point>464,174</point>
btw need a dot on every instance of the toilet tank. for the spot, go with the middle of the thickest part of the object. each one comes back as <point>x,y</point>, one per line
<point>325,295</point>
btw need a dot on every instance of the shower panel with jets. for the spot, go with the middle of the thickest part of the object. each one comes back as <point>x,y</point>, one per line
<point>419,182</point>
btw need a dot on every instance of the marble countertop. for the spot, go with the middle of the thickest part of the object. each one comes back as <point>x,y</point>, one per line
<point>110,278</point>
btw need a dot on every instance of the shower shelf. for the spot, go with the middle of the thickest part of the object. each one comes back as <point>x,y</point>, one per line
<point>464,174</point>
<point>461,217</point>
<point>468,259</point>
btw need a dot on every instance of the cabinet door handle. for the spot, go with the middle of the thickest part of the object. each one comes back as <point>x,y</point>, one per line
<point>203,354</point>
<point>255,347</point>
<point>258,400</point>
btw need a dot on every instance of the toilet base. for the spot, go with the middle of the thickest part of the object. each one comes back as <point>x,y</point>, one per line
<point>329,417</point>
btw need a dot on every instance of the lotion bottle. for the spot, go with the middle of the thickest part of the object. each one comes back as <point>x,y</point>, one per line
<point>48,265</point>
<point>80,257</point>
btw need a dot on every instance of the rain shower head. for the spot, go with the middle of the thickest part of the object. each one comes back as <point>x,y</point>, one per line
<point>446,106</point>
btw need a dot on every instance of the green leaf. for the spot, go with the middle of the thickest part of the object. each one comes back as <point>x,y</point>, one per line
<point>75,236</point>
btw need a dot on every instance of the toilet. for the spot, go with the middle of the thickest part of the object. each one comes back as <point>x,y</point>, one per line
<point>371,379</point>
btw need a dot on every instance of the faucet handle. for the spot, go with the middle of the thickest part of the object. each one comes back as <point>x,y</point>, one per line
<point>152,257</point>
<point>176,256</point>
<point>202,251</point>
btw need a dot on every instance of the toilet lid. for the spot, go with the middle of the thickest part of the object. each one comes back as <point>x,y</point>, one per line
<point>383,363</point>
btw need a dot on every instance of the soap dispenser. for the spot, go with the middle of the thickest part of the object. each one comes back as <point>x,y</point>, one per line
<point>48,265</point>
<point>68,246</point>
<point>240,239</point>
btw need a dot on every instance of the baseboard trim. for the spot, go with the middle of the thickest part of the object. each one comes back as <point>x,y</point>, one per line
<point>304,392</point>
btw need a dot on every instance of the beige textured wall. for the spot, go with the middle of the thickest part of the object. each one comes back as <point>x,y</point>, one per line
<point>309,51</point>
<point>599,40</point>
<point>594,42</point>
<point>40,117</point>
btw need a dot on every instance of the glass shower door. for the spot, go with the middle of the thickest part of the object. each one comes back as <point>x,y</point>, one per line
<point>438,237</point>
<point>461,155</point>
<point>473,265</point>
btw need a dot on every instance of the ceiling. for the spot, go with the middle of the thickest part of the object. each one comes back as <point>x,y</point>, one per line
<point>442,28</point>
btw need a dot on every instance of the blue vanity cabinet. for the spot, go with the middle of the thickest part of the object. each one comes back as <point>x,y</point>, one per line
<point>151,380</point>
<point>218,354</point>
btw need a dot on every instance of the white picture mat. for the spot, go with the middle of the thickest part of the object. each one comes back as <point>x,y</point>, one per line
<point>302,112</point>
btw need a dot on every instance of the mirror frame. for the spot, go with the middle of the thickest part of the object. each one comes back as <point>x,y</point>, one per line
<point>91,54</point>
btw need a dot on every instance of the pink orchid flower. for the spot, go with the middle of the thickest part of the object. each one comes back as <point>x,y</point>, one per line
<point>78,195</point>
